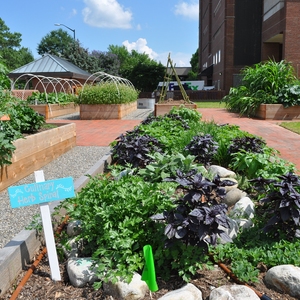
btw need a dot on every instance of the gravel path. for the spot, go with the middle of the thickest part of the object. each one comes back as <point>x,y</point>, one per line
<point>74,163</point>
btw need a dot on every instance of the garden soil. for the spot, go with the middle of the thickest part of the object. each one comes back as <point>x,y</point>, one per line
<point>41,287</point>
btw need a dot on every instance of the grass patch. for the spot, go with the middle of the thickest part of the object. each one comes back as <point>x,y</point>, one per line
<point>210,104</point>
<point>292,126</point>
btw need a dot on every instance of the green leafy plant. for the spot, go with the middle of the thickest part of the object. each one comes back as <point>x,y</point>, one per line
<point>267,164</point>
<point>253,251</point>
<point>264,83</point>
<point>116,224</point>
<point>185,203</point>
<point>23,118</point>
<point>107,93</point>
<point>51,98</point>
<point>166,165</point>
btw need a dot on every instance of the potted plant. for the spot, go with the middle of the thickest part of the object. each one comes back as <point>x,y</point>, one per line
<point>269,90</point>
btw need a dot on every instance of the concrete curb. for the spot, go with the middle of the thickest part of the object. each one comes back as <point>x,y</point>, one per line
<point>18,252</point>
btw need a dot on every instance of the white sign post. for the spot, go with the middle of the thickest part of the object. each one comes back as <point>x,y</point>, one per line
<point>42,192</point>
<point>48,232</point>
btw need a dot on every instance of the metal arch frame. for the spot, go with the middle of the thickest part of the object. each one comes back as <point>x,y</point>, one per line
<point>108,78</point>
<point>30,78</point>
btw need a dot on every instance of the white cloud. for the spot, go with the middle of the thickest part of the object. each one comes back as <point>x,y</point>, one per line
<point>74,12</point>
<point>179,59</point>
<point>106,13</point>
<point>188,10</point>
<point>141,47</point>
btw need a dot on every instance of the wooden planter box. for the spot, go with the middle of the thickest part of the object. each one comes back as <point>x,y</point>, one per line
<point>51,111</point>
<point>278,112</point>
<point>37,150</point>
<point>161,109</point>
<point>106,111</point>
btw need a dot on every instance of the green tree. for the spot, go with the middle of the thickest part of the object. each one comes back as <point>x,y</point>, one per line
<point>139,68</point>
<point>4,80</point>
<point>79,56</point>
<point>106,61</point>
<point>55,42</point>
<point>13,55</point>
<point>93,62</point>
<point>193,74</point>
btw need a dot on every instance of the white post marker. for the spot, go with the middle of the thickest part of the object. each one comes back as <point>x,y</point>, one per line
<point>48,232</point>
<point>42,192</point>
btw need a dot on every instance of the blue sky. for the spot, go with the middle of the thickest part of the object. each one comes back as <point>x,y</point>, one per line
<point>156,27</point>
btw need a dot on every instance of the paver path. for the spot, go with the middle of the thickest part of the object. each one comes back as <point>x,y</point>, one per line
<point>103,132</point>
<point>279,138</point>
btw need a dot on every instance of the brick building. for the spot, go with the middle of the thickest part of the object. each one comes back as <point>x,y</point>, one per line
<point>238,33</point>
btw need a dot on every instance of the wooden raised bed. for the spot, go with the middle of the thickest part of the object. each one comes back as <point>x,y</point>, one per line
<point>37,150</point>
<point>163,108</point>
<point>51,111</point>
<point>106,111</point>
<point>278,112</point>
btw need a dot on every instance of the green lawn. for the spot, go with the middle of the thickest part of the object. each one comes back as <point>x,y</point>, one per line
<point>292,126</point>
<point>210,104</point>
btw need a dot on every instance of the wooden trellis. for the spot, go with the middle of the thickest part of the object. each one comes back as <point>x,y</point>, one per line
<point>170,71</point>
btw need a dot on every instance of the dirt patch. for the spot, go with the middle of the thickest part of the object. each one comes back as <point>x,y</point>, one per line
<point>41,287</point>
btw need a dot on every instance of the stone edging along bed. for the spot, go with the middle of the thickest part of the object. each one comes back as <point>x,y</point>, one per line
<point>19,252</point>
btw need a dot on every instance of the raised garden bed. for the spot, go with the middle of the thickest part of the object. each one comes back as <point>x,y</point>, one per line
<point>278,112</point>
<point>51,111</point>
<point>163,108</point>
<point>37,150</point>
<point>106,111</point>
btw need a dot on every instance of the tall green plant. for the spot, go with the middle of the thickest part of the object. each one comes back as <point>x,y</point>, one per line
<point>107,93</point>
<point>264,83</point>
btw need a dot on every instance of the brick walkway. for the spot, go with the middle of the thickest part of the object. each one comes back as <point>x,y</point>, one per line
<point>103,132</point>
<point>283,140</point>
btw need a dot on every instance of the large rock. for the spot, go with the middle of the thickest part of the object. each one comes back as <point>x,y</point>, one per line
<point>81,271</point>
<point>74,228</point>
<point>232,231</point>
<point>188,292</point>
<point>221,171</point>
<point>135,290</point>
<point>284,278</point>
<point>233,292</point>
<point>233,196</point>
<point>230,187</point>
<point>243,209</point>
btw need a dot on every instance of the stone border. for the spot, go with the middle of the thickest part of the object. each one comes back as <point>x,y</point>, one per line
<point>18,252</point>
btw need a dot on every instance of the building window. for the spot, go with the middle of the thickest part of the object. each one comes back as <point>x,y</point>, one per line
<point>217,7</point>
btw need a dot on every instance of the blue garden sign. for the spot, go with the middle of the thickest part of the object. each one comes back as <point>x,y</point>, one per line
<point>41,192</point>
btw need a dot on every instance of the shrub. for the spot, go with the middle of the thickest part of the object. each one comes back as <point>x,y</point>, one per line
<point>23,118</point>
<point>107,93</point>
<point>264,83</point>
<point>116,222</point>
<point>203,147</point>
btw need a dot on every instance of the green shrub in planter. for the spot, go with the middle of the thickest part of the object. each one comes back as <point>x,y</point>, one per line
<point>107,93</point>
